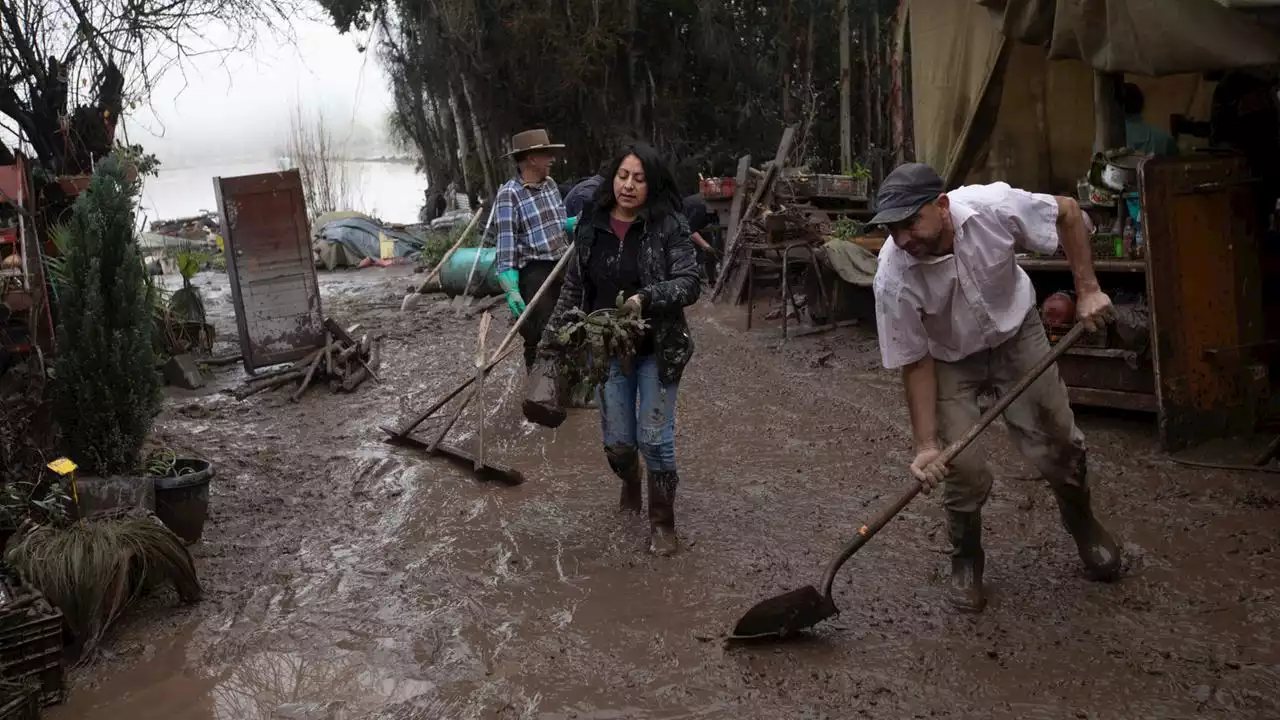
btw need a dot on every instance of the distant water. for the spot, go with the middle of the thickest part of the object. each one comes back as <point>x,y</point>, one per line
<point>390,191</point>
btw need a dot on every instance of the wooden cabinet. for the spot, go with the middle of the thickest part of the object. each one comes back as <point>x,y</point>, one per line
<point>1203,375</point>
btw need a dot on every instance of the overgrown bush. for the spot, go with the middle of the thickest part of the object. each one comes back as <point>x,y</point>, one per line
<point>106,390</point>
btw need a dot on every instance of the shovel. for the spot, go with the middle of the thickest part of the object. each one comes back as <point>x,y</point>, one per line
<point>786,614</point>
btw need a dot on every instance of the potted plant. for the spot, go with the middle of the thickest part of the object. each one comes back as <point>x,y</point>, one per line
<point>105,389</point>
<point>182,492</point>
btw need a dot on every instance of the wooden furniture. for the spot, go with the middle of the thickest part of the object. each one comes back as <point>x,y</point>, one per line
<point>1205,374</point>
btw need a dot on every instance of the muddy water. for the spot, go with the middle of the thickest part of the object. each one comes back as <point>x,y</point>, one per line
<point>346,579</point>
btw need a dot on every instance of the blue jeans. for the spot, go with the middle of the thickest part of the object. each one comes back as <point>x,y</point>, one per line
<point>638,411</point>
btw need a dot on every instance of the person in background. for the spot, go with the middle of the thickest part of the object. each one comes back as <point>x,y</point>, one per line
<point>699,219</point>
<point>582,193</point>
<point>1138,134</point>
<point>957,317</point>
<point>529,224</point>
<point>632,240</point>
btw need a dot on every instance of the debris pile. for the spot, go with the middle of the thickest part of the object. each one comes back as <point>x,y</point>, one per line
<point>344,362</point>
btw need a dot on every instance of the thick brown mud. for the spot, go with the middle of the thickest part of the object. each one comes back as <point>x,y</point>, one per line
<point>349,579</point>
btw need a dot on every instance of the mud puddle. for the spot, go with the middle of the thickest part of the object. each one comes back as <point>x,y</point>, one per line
<point>349,579</point>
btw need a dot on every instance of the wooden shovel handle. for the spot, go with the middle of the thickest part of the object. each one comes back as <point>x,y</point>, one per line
<point>866,532</point>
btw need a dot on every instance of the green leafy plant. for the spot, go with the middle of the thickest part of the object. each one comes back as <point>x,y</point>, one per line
<point>145,163</point>
<point>35,500</point>
<point>846,229</point>
<point>859,172</point>
<point>106,390</point>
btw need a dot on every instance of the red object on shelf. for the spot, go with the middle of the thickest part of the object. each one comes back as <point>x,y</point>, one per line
<point>716,188</point>
<point>9,236</point>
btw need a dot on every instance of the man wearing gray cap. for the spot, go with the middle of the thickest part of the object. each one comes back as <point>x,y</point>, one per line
<point>957,315</point>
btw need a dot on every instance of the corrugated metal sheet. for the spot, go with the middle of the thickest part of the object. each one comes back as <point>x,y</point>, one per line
<point>273,274</point>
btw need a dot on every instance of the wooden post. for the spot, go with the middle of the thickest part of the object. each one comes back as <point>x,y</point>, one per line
<point>846,103</point>
<point>1108,128</point>
<point>897,94</point>
<point>480,367</point>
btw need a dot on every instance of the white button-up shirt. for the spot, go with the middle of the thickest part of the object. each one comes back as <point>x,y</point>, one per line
<point>975,298</point>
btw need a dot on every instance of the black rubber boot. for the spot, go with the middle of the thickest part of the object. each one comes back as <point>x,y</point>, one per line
<point>1098,550</point>
<point>967,562</point>
<point>662,513</point>
<point>626,465</point>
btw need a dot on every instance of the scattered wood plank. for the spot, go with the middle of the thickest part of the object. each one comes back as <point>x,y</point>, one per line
<point>733,275</point>
<point>344,363</point>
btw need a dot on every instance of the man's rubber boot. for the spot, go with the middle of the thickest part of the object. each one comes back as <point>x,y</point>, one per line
<point>1098,550</point>
<point>626,465</point>
<point>662,513</point>
<point>967,562</point>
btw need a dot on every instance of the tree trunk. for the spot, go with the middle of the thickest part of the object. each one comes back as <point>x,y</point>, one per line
<point>896,92</point>
<point>635,84</point>
<point>485,163</point>
<point>868,98</point>
<point>878,93</point>
<point>463,146</point>
<point>846,104</point>
<point>785,38</point>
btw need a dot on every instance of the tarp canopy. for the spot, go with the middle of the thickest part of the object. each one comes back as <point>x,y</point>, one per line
<point>1146,37</point>
<point>361,237</point>
<point>987,107</point>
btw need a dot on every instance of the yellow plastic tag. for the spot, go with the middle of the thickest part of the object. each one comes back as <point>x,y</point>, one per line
<point>62,466</point>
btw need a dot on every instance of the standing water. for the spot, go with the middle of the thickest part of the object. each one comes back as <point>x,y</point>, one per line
<point>391,191</point>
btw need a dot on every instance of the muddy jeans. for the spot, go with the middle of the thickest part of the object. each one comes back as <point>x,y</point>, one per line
<point>1040,421</point>
<point>638,411</point>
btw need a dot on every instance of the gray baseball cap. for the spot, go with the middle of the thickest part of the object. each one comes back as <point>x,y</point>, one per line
<point>904,191</point>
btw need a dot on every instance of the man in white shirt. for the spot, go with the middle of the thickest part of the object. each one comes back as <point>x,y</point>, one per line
<point>958,316</point>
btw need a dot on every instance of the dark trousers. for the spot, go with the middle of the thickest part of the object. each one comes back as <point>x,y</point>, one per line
<point>532,276</point>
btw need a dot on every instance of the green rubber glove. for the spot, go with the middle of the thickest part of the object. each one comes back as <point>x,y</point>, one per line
<point>570,225</point>
<point>510,282</point>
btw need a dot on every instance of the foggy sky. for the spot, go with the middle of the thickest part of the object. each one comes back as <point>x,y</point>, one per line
<point>238,107</point>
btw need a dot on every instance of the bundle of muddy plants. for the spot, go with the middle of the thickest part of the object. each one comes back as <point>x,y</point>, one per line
<point>343,363</point>
<point>586,344</point>
<point>86,536</point>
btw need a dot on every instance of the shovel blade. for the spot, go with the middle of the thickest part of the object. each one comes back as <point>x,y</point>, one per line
<point>784,615</point>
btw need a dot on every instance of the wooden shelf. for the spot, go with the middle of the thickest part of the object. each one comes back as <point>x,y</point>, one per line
<point>1061,264</point>
<point>1096,397</point>
<point>1089,352</point>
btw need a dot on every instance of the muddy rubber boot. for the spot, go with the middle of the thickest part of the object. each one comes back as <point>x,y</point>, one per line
<point>626,465</point>
<point>662,513</point>
<point>1098,550</point>
<point>967,562</point>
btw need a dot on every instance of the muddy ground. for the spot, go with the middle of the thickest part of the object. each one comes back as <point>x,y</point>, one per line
<point>347,579</point>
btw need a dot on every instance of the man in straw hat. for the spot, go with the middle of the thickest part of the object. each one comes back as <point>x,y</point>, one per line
<point>957,315</point>
<point>529,221</point>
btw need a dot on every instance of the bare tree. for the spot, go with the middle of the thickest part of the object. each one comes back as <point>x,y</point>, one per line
<point>69,68</point>
<point>326,184</point>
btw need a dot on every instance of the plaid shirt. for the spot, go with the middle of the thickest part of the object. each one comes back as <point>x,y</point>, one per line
<point>529,222</point>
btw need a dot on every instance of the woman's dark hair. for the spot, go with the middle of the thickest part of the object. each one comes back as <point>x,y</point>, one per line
<point>663,196</point>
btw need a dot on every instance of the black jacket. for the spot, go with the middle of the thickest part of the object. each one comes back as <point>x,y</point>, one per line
<point>668,278</point>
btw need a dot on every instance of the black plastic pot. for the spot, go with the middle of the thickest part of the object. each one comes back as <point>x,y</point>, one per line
<point>182,499</point>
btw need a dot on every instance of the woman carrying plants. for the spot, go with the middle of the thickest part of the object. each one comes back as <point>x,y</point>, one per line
<point>632,242</point>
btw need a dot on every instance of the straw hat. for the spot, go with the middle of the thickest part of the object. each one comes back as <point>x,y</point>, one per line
<point>531,140</point>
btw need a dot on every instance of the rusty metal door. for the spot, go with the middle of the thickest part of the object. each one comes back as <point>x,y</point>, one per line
<point>273,274</point>
<point>1201,228</point>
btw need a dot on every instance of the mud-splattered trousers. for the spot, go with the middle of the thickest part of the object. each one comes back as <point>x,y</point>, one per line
<point>1040,421</point>
<point>638,410</point>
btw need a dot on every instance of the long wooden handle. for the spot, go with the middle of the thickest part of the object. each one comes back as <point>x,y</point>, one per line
<point>435,272</point>
<point>866,532</point>
<point>499,355</point>
<point>542,291</point>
